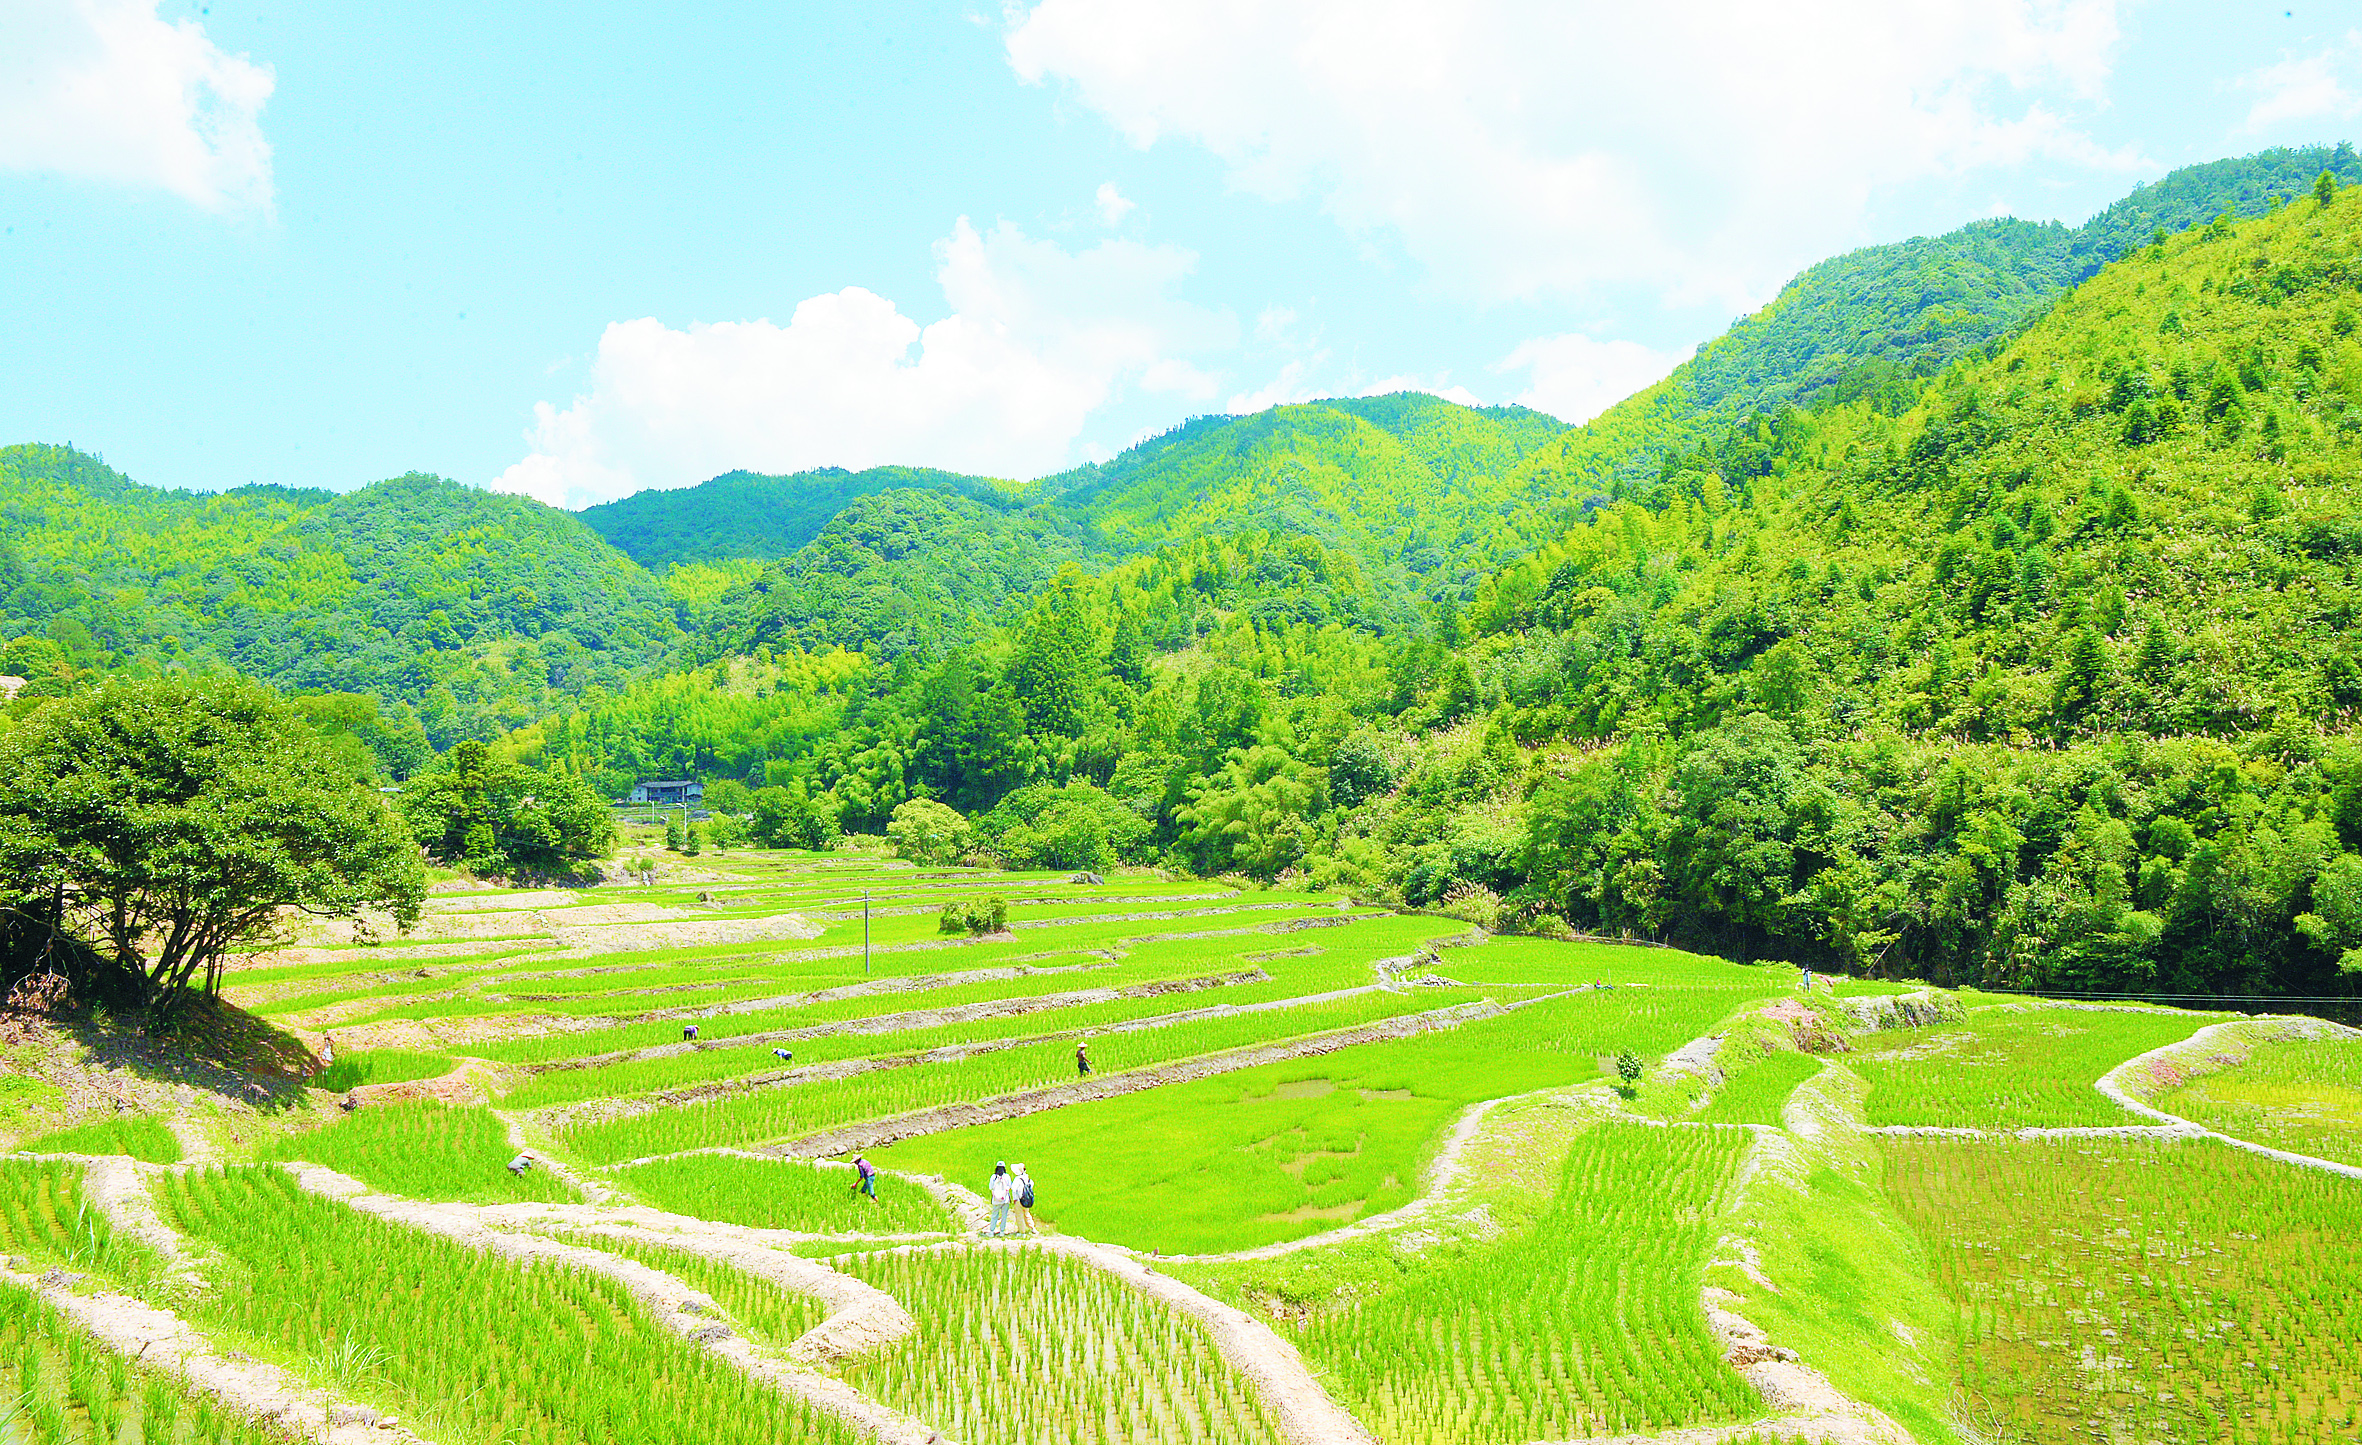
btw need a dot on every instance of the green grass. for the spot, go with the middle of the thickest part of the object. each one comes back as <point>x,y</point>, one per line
<point>59,1385</point>
<point>142,1136</point>
<point>1844,1278</point>
<point>380,1066</point>
<point>2010,1068</point>
<point>1021,1346</point>
<point>1291,1149</point>
<point>781,1194</point>
<point>423,1149</point>
<point>2302,1095</point>
<point>2137,1289</point>
<point>462,1344</point>
<point>1586,1325</point>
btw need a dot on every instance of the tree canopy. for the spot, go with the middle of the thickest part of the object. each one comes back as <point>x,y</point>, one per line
<point>174,822</point>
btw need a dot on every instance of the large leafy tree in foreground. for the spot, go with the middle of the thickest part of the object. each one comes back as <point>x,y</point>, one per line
<point>170,823</point>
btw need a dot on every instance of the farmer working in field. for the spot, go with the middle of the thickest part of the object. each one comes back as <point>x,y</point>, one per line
<point>1082,1060</point>
<point>520,1164</point>
<point>785,1056</point>
<point>865,1180</point>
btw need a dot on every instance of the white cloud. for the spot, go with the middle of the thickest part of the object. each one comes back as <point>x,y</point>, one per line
<point>1113,205</point>
<point>1433,386</point>
<point>1037,340</point>
<point>106,89</point>
<point>1575,378</point>
<point>2304,89</point>
<point>1288,388</point>
<point>1703,148</point>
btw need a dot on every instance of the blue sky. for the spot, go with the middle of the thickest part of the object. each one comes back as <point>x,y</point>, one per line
<point>580,249</point>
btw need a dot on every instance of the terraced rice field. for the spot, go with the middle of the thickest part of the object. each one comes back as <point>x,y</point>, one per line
<point>2156,1291</point>
<point>2011,1066</point>
<point>1395,1147</point>
<point>2304,1096</point>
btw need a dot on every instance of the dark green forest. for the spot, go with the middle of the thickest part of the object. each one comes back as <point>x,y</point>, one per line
<point>1980,610</point>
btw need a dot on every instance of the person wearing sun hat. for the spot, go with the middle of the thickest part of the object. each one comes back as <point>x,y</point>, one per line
<point>1004,1189</point>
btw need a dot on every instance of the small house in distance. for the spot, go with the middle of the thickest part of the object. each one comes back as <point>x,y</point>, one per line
<point>669,794</point>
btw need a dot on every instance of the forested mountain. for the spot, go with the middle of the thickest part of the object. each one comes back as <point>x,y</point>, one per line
<point>2043,676</point>
<point>1869,324</point>
<point>476,610</point>
<point>1937,620</point>
<point>754,515</point>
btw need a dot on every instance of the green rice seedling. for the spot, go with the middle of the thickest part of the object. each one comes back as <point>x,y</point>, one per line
<point>1286,1150</point>
<point>2302,1095</point>
<point>1017,1345</point>
<point>1590,1324</point>
<point>424,1149</point>
<point>476,1347</point>
<point>2010,1068</point>
<point>380,1066</point>
<point>142,1136</point>
<point>45,1218</point>
<point>1754,1094</point>
<point>679,1070</point>
<point>782,1194</point>
<point>41,1207</point>
<point>60,1387</point>
<point>788,1110</point>
<point>770,1316</point>
<point>2135,1289</point>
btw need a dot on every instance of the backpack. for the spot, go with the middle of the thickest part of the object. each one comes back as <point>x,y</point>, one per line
<point>1025,1197</point>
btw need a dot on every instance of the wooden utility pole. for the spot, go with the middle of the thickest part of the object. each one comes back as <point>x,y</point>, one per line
<point>865,931</point>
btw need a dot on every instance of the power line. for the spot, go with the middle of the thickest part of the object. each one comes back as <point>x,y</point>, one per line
<point>2204,997</point>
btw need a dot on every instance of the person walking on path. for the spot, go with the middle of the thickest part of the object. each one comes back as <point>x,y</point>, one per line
<point>1004,1189</point>
<point>1082,1061</point>
<point>1023,1184</point>
<point>866,1177</point>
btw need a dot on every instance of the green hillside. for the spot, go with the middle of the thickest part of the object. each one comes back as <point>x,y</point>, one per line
<point>479,610</point>
<point>2047,680</point>
<point>751,514</point>
<point>1869,324</point>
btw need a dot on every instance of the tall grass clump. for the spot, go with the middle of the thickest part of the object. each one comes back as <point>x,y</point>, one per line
<point>1588,1325</point>
<point>1019,1345</point>
<point>142,1136</point>
<point>782,1194</point>
<point>474,1346</point>
<point>2127,1289</point>
<point>425,1149</point>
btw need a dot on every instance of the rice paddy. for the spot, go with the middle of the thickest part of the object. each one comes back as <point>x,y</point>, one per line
<point>1023,1346</point>
<point>1484,1241</point>
<point>2302,1095</point>
<point>2011,1067</point>
<point>2124,1289</point>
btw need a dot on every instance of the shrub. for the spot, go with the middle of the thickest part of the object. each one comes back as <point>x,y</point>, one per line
<point>925,831</point>
<point>975,916</point>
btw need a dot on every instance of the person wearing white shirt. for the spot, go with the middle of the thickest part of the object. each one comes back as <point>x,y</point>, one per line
<point>1004,1189</point>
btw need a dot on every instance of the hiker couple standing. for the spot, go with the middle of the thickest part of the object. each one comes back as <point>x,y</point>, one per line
<point>1012,1187</point>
